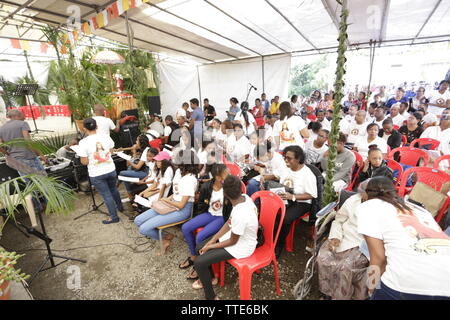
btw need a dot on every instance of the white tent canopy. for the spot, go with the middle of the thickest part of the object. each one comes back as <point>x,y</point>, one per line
<point>208,31</point>
<point>220,46</point>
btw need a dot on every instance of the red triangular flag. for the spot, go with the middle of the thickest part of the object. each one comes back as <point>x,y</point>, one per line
<point>44,47</point>
<point>133,4</point>
<point>16,44</point>
<point>115,10</point>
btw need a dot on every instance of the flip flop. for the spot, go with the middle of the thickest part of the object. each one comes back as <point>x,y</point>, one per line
<point>192,278</point>
<point>190,263</point>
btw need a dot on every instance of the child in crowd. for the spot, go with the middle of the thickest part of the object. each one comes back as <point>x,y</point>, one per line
<point>374,166</point>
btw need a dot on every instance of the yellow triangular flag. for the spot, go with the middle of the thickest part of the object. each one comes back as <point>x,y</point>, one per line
<point>125,5</point>
<point>25,44</point>
<point>100,22</point>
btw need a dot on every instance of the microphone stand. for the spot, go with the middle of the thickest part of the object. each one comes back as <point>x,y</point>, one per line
<point>248,93</point>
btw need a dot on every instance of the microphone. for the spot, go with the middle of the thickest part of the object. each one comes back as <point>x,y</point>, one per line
<point>252,86</point>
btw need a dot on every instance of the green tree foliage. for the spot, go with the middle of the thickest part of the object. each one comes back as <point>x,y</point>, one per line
<point>305,78</point>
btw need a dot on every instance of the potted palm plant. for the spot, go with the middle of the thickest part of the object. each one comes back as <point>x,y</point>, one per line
<point>59,200</point>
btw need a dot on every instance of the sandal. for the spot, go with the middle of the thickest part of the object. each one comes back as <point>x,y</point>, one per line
<point>189,261</point>
<point>190,277</point>
<point>198,284</point>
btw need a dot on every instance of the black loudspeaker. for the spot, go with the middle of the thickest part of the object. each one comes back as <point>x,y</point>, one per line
<point>132,112</point>
<point>154,105</point>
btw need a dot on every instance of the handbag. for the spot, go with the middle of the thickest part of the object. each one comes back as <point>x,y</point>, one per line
<point>163,207</point>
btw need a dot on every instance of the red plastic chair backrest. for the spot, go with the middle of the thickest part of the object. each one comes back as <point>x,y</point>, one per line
<point>234,169</point>
<point>424,141</point>
<point>394,165</point>
<point>244,188</point>
<point>404,140</point>
<point>410,156</point>
<point>431,177</point>
<point>271,206</point>
<point>359,161</point>
<point>441,158</point>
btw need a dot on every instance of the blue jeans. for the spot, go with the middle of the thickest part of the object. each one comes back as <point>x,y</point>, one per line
<point>106,186</point>
<point>132,174</point>
<point>35,164</point>
<point>211,225</point>
<point>252,187</point>
<point>386,293</point>
<point>150,220</point>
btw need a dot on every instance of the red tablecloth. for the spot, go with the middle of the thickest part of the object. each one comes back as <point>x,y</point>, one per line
<point>53,111</point>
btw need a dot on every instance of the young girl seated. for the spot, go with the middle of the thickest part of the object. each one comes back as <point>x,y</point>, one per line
<point>184,188</point>
<point>214,209</point>
<point>237,238</point>
<point>374,166</point>
<point>164,175</point>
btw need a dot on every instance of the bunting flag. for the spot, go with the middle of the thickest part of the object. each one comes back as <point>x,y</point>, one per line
<point>86,28</point>
<point>122,5</point>
<point>138,3</point>
<point>15,44</point>
<point>75,35</point>
<point>44,47</point>
<point>105,17</point>
<point>114,10</point>
<point>63,50</point>
<point>93,23</point>
<point>132,4</point>
<point>99,18</point>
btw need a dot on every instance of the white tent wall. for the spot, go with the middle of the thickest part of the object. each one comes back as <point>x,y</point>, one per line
<point>221,81</point>
<point>178,83</point>
<point>13,70</point>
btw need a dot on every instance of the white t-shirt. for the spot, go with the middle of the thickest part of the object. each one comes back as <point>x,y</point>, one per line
<point>167,131</point>
<point>97,149</point>
<point>354,131</point>
<point>398,120</point>
<point>187,186</point>
<point>379,123</point>
<point>176,181</point>
<point>240,117</point>
<point>216,203</point>
<point>240,149</point>
<point>326,124</point>
<point>433,132</point>
<point>276,166</point>
<point>166,179</point>
<point>417,251</point>
<point>430,118</point>
<point>244,222</point>
<point>444,146</point>
<point>438,98</point>
<point>363,145</point>
<point>303,181</point>
<point>313,154</point>
<point>104,125</point>
<point>288,130</point>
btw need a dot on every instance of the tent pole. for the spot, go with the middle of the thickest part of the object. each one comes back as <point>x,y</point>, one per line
<point>263,82</point>
<point>199,86</point>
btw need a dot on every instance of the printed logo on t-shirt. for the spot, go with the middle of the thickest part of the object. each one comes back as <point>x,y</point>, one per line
<point>175,188</point>
<point>355,132</point>
<point>428,237</point>
<point>101,155</point>
<point>440,101</point>
<point>289,182</point>
<point>286,135</point>
<point>216,205</point>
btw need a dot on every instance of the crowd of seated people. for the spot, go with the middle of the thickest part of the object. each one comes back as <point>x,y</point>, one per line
<point>187,177</point>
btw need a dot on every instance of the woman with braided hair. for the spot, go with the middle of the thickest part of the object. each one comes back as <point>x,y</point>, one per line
<point>246,119</point>
<point>409,253</point>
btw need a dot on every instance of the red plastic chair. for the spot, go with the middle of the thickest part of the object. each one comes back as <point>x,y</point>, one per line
<point>234,169</point>
<point>410,156</point>
<point>440,159</point>
<point>360,163</point>
<point>432,177</point>
<point>425,141</point>
<point>404,140</point>
<point>394,165</point>
<point>271,206</point>
<point>290,236</point>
